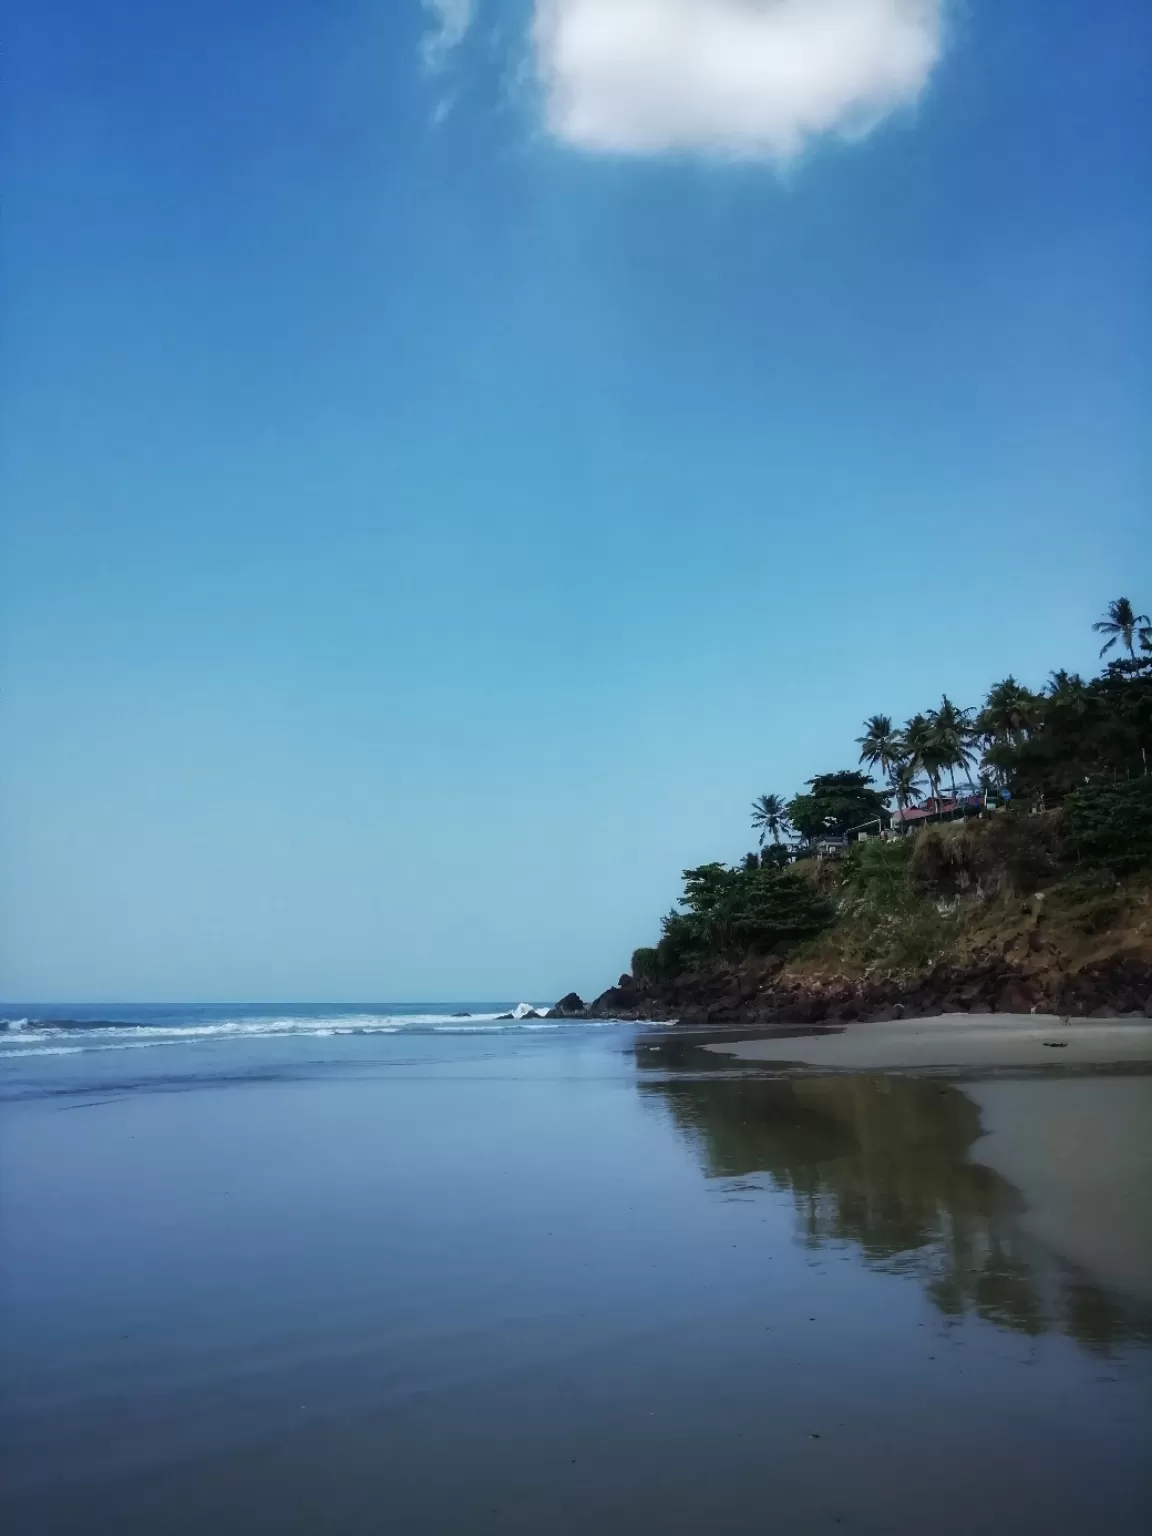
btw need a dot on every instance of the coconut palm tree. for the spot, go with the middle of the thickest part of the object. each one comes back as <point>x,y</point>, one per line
<point>953,731</point>
<point>922,748</point>
<point>1121,622</point>
<point>1063,683</point>
<point>1010,713</point>
<point>902,780</point>
<point>1068,690</point>
<point>770,815</point>
<point>881,745</point>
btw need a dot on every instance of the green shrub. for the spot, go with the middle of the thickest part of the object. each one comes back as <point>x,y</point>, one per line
<point>679,948</point>
<point>886,921</point>
<point>773,909</point>
<point>1090,900</point>
<point>877,866</point>
<point>646,964</point>
<point>1110,826</point>
<point>730,914</point>
<point>913,939</point>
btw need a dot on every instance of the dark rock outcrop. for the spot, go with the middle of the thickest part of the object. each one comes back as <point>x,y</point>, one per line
<point>757,994</point>
<point>570,1007</point>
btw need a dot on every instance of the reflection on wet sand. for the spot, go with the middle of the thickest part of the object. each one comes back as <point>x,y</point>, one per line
<point>884,1163</point>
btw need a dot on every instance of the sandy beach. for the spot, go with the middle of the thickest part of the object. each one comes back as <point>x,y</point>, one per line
<point>1077,1148</point>
<point>984,1043</point>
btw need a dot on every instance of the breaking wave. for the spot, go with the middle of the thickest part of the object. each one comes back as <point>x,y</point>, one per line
<point>59,1035</point>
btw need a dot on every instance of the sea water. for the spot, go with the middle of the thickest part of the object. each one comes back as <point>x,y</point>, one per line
<point>385,1268</point>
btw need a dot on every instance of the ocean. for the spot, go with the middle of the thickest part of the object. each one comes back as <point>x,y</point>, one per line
<point>350,1269</point>
<point>38,1029</point>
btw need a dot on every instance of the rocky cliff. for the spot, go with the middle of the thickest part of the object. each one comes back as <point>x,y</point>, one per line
<point>1078,948</point>
<point>763,994</point>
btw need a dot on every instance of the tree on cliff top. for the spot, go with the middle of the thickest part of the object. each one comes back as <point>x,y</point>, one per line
<point>881,745</point>
<point>769,817</point>
<point>1121,623</point>
<point>924,751</point>
<point>953,732</point>
<point>1089,733</point>
<point>836,803</point>
<point>1010,713</point>
<point>732,914</point>
<point>905,790</point>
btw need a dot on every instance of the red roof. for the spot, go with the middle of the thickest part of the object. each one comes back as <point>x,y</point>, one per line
<point>933,808</point>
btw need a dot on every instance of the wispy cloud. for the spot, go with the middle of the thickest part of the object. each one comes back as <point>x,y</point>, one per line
<point>449,22</point>
<point>752,79</point>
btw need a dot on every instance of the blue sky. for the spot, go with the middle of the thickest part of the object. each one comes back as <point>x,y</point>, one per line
<point>445,481</point>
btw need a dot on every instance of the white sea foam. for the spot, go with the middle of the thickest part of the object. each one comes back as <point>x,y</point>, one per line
<point>46,1050</point>
<point>69,1037</point>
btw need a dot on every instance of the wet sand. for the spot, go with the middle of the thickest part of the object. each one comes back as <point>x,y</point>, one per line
<point>983,1043</point>
<point>1080,1153</point>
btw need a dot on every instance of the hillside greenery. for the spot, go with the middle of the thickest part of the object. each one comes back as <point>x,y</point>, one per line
<point>1026,790</point>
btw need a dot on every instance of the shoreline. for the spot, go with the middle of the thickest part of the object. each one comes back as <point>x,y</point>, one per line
<point>962,1042</point>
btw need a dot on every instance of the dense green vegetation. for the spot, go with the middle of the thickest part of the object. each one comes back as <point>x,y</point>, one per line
<point>836,804</point>
<point>731,913</point>
<point>1041,783</point>
<point>1109,826</point>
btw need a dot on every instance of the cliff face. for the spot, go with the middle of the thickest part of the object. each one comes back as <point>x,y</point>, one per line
<point>744,995</point>
<point>1084,950</point>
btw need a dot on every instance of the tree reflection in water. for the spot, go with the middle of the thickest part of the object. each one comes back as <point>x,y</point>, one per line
<point>883,1163</point>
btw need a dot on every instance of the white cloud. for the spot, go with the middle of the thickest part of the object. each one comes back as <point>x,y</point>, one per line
<point>739,78</point>
<point>449,22</point>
